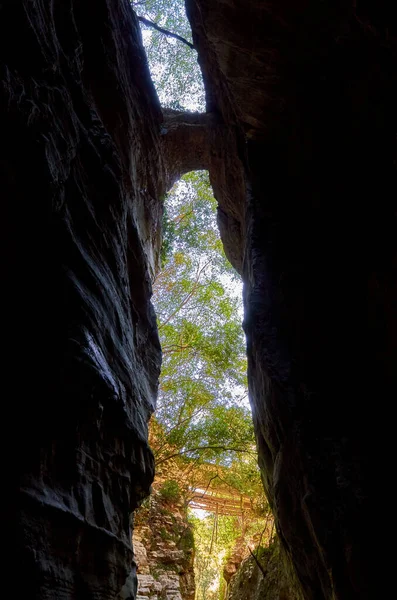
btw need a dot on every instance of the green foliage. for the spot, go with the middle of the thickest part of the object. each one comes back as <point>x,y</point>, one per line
<point>201,407</point>
<point>168,231</point>
<point>173,65</point>
<point>243,475</point>
<point>165,536</point>
<point>214,539</point>
<point>170,491</point>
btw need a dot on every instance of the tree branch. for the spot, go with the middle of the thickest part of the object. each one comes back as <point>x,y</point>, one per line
<point>188,296</point>
<point>172,348</point>
<point>206,489</point>
<point>228,484</point>
<point>224,448</point>
<point>165,31</point>
<point>180,218</point>
<point>157,451</point>
<point>263,571</point>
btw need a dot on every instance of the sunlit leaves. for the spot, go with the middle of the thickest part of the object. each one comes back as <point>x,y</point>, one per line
<point>214,539</point>
<point>173,65</point>
<point>197,300</point>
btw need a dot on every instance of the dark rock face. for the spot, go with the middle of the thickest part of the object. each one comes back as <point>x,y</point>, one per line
<point>312,90</point>
<point>80,171</point>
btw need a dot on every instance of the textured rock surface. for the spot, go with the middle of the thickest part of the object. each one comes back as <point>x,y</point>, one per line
<point>164,550</point>
<point>311,87</point>
<point>273,581</point>
<point>80,171</point>
<point>192,141</point>
<point>236,557</point>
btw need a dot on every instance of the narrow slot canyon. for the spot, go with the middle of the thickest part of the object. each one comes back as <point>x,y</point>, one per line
<point>207,511</point>
<point>162,439</point>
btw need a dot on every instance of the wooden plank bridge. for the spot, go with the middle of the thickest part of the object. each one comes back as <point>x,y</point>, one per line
<point>210,491</point>
<point>221,502</point>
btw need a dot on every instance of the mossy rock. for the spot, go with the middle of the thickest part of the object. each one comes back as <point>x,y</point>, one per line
<point>186,541</point>
<point>277,581</point>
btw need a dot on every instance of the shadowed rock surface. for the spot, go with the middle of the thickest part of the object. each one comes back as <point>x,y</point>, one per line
<point>310,89</point>
<point>80,174</point>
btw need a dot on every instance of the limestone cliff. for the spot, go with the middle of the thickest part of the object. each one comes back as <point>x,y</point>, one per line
<point>164,550</point>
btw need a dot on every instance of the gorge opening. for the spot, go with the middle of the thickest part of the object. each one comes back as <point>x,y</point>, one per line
<point>201,433</point>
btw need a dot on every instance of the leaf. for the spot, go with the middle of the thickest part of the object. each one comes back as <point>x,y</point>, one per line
<point>173,65</point>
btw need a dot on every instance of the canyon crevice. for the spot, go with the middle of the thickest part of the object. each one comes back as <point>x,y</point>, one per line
<point>302,158</point>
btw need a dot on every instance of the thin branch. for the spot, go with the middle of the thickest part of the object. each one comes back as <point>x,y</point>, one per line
<point>206,489</point>
<point>188,296</point>
<point>180,218</point>
<point>263,571</point>
<point>157,451</point>
<point>165,31</point>
<point>228,484</point>
<point>224,448</point>
<point>168,270</point>
<point>173,348</point>
<point>190,467</point>
<point>189,418</point>
<point>264,529</point>
<point>214,530</point>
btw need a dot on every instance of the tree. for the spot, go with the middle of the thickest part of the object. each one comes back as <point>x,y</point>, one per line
<point>222,542</point>
<point>174,67</point>
<point>214,540</point>
<point>202,409</point>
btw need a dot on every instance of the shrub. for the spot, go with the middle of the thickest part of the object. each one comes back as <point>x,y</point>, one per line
<point>170,491</point>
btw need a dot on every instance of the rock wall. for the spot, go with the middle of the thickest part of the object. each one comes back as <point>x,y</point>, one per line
<point>309,92</point>
<point>164,550</point>
<point>239,553</point>
<point>271,581</point>
<point>80,174</point>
